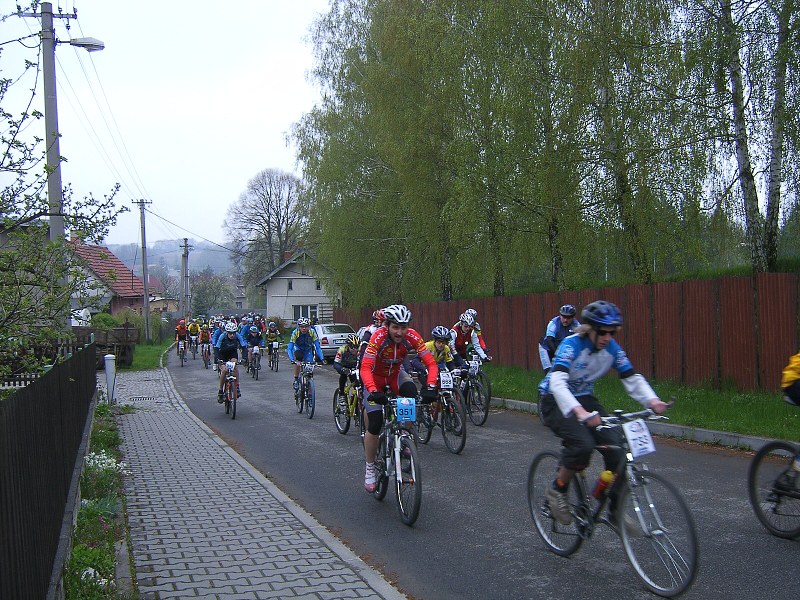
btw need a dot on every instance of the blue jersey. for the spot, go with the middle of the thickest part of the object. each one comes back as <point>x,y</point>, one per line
<point>307,342</point>
<point>556,330</point>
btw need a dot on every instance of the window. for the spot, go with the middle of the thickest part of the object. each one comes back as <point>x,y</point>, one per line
<point>319,285</point>
<point>304,310</point>
<point>289,281</point>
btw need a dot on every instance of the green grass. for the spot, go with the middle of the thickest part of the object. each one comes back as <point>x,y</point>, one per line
<point>147,356</point>
<point>761,414</point>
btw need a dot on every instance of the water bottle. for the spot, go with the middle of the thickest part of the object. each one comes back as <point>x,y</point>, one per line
<point>606,477</point>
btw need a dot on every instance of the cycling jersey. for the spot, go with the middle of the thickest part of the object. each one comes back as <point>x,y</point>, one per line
<point>345,359</point>
<point>228,347</point>
<point>459,341</point>
<point>205,336</point>
<point>254,339</point>
<point>193,328</point>
<point>383,359</point>
<point>578,364</point>
<point>273,335</point>
<point>307,343</point>
<point>180,332</point>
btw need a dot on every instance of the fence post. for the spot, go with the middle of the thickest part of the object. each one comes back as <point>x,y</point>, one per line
<point>111,377</point>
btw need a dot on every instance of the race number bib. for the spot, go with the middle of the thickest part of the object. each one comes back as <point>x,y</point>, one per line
<point>638,436</point>
<point>474,365</point>
<point>274,344</point>
<point>445,380</point>
<point>406,410</point>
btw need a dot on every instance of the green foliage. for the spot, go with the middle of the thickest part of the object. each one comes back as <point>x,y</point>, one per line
<point>104,321</point>
<point>148,356</point>
<point>210,291</point>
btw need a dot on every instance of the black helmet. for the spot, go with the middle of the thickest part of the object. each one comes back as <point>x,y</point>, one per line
<point>600,313</point>
<point>567,310</point>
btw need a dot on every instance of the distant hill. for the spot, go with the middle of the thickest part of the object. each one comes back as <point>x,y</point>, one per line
<point>168,253</point>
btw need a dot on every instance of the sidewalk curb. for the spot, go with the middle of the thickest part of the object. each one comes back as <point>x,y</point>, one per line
<point>371,576</point>
<point>683,432</point>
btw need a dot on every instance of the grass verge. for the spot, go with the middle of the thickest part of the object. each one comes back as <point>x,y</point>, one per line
<point>146,356</point>
<point>90,571</point>
<point>761,414</point>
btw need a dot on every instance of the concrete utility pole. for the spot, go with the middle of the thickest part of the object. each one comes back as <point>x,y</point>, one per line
<point>185,264</point>
<point>145,274</point>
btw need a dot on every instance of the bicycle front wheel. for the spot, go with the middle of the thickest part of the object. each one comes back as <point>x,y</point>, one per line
<point>454,425</point>
<point>661,540</point>
<point>484,380</point>
<point>774,489</point>
<point>380,468</point>
<point>408,487</point>
<point>310,399</point>
<point>341,413</point>
<point>234,394</point>
<point>564,540</point>
<point>298,399</point>
<point>478,401</point>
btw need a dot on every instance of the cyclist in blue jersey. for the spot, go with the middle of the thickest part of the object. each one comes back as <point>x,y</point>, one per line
<point>303,344</point>
<point>558,328</point>
<point>569,407</point>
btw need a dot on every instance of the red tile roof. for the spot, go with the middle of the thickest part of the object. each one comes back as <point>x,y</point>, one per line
<point>110,270</point>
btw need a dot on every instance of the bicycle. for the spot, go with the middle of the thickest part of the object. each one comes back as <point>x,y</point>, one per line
<point>347,407</point>
<point>397,458</point>
<point>273,357</point>
<point>305,396</point>
<point>255,362</point>
<point>229,391</point>
<point>476,391</point>
<point>193,346</point>
<point>182,351</point>
<point>205,350</point>
<point>447,412</point>
<point>773,484</point>
<point>652,519</point>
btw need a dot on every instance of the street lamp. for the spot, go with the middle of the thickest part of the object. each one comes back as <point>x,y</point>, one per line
<point>49,42</point>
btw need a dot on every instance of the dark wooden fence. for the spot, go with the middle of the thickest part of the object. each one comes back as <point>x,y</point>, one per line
<point>732,330</point>
<point>43,428</point>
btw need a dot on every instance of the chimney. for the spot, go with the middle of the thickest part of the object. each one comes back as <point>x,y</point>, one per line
<point>287,254</point>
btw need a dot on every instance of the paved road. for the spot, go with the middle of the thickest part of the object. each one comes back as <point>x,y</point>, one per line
<point>474,537</point>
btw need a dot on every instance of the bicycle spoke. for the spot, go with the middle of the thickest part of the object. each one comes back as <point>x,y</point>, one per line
<point>774,489</point>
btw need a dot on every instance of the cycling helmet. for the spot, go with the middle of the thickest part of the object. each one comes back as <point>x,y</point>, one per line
<point>303,322</point>
<point>272,325</point>
<point>378,316</point>
<point>397,313</point>
<point>471,312</point>
<point>205,326</point>
<point>441,333</point>
<point>600,313</point>
<point>253,329</point>
<point>353,341</point>
<point>467,320</point>
<point>567,310</point>
<point>182,322</point>
<point>230,327</point>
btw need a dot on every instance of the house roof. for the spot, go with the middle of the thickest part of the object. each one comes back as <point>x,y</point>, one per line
<point>110,270</point>
<point>294,258</point>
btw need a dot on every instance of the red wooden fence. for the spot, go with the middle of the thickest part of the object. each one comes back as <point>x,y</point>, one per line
<point>738,330</point>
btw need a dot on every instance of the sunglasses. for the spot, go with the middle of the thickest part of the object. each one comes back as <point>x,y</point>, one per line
<point>605,332</point>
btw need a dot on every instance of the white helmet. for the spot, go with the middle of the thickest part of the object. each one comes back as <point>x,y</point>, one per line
<point>467,320</point>
<point>230,327</point>
<point>397,313</point>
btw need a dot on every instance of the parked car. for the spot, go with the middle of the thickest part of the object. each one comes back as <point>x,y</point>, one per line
<point>332,336</point>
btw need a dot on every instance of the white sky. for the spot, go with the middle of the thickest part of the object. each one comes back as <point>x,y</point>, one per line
<point>187,102</point>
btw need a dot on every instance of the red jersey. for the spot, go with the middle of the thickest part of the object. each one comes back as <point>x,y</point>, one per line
<point>383,358</point>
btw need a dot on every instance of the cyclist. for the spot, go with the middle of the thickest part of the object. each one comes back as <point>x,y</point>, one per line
<point>382,365</point>
<point>463,335</point>
<point>193,329</point>
<point>346,361</point>
<point>477,327</point>
<point>219,331</point>
<point>440,349</point>
<point>181,334</point>
<point>557,329</point>
<point>790,381</point>
<point>205,338</point>
<point>573,413</point>
<point>228,346</point>
<point>253,338</point>
<point>303,344</point>
<point>273,335</point>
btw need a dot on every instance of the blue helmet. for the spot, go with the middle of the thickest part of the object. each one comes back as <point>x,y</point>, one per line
<point>568,310</point>
<point>441,333</point>
<point>600,313</point>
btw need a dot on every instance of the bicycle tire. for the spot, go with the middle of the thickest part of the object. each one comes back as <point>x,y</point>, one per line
<point>310,398</point>
<point>298,399</point>
<point>341,412</point>
<point>453,420</point>
<point>425,424</point>
<point>275,361</point>
<point>563,540</point>
<point>227,398</point>
<point>408,491</point>
<point>665,552</point>
<point>382,485</point>
<point>477,399</point>
<point>257,366</point>
<point>774,498</point>
<point>234,395</point>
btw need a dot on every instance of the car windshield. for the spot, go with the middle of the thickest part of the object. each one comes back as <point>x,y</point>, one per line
<point>338,329</point>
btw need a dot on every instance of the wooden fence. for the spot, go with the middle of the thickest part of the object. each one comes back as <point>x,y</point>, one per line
<point>738,330</point>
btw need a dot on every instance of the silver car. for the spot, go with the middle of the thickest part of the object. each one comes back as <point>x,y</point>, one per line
<point>332,336</point>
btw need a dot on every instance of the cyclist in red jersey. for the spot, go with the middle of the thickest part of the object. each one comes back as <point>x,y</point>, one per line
<point>463,334</point>
<point>381,366</point>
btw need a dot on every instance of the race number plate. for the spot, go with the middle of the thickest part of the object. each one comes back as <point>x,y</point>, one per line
<point>639,439</point>
<point>474,365</point>
<point>230,365</point>
<point>445,380</point>
<point>256,350</point>
<point>406,410</point>
<point>274,344</point>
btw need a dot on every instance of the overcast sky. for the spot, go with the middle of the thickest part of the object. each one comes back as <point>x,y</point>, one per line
<point>188,101</point>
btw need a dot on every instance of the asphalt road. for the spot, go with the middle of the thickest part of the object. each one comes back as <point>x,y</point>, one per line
<point>474,537</point>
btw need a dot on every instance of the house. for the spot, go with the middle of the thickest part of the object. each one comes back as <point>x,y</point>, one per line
<point>117,286</point>
<point>296,289</point>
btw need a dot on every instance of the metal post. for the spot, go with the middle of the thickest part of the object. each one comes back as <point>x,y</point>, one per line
<point>145,275</point>
<point>51,124</point>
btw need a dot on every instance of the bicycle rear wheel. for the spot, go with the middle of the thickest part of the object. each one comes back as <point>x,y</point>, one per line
<point>478,400</point>
<point>409,490</point>
<point>564,540</point>
<point>774,489</point>
<point>454,423</point>
<point>341,413</point>
<point>662,545</point>
<point>310,398</point>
